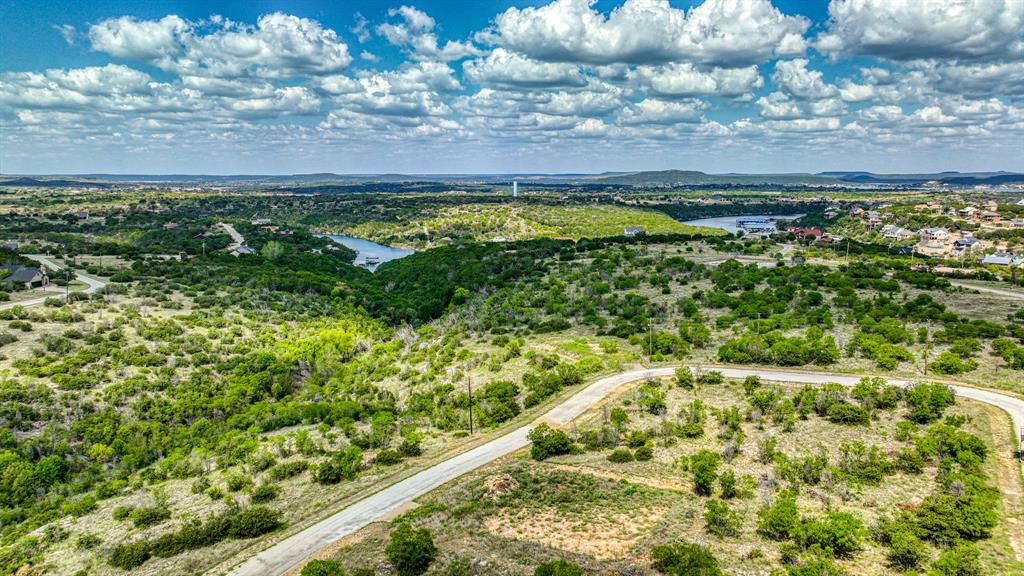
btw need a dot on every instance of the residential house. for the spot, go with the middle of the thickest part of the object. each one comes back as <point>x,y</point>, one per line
<point>1018,223</point>
<point>934,237</point>
<point>966,244</point>
<point>991,205</point>
<point>831,214</point>
<point>966,212</point>
<point>631,231</point>
<point>25,276</point>
<point>872,219</point>
<point>998,259</point>
<point>893,232</point>
<point>260,221</point>
<point>988,216</point>
<point>241,249</point>
<point>804,232</point>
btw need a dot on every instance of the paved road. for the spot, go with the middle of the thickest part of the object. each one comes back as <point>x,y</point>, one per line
<point>236,238</point>
<point>989,289</point>
<point>286,554</point>
<point>92,285</point>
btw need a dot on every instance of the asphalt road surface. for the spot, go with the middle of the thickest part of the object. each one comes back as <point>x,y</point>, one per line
<point>291,551</point>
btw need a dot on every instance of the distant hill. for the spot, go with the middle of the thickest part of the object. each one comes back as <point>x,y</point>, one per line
<point>951,177</point>
<point>697,178</point>
<point>640,178</point>
<point>48,182</point>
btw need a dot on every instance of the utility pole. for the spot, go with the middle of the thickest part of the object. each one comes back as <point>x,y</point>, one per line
<point>650,340</point>
<point>469,380</point>
<point>927,343</point>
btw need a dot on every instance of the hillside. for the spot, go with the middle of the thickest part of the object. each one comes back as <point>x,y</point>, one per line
<point>697,178</point>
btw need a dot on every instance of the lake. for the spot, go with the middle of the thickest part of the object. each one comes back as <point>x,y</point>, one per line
<point>367,249</point>
<point>728,223</point>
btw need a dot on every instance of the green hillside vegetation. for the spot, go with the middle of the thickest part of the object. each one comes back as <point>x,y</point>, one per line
<point>204,403</point>
<point>514,221</point>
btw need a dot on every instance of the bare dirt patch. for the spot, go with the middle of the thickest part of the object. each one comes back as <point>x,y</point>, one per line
<point>606,537</point>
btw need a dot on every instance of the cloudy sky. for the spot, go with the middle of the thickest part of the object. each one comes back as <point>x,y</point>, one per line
<point>445,86</point>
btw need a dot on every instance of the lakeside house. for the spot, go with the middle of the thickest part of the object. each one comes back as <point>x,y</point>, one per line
<point>25,276</point>
<point>804,232</point>
<point>756,224</point>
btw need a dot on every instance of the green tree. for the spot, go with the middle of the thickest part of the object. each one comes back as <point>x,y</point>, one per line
<point>548,442</point>
<point>704,467</point>
<point>778,519</point>
<point>721,520</point>
<point>558,568</point>
<point>272,251</point>
<point>684,559</point>
<point>411,550</point>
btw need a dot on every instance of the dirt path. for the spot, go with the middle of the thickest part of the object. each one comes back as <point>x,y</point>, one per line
<point>988,289</point>
<point>1008,478</point>
<point>609,475</point>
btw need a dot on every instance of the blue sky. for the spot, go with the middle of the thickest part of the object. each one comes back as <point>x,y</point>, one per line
<point>462,86</point>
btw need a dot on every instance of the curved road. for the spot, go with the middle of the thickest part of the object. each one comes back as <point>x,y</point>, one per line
<point>92,285</point>
<point>291,551</point>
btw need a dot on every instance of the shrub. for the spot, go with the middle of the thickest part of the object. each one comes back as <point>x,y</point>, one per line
<point>684,559</point>
<point>864,463</point>
<point>323,568</point>
<point>644,453</point>
<point>558,568</point>
<point>548,442</point>
<point>620,455</point>
<point>906,551</point>
<point>342,465</point>
<point>288,469</point>
<point>721,520</point>
<point>779,519</point>
<point>264,493</point>
<point>411,551</point>
<point>684,377</point>
<point>254,521</point>
<point>236,482</point>
<point>840,532</point>
<point>145,516</point>
<point>388,457</point>
<point>410,448</point>
<point>846,413</point>
<point>962,560</point>
<point>928,401</point>
<point>727,481</point>
<point>703,466</point>
<point>951,363</point>
<point>129,555</point>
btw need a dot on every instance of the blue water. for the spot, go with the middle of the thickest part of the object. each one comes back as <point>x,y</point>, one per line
<point>365,249</point>
<point>728,223</point>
